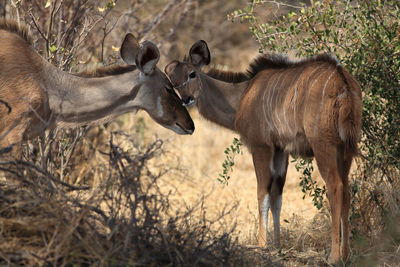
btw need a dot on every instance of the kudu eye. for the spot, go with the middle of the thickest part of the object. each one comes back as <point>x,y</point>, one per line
<point>192,75</point>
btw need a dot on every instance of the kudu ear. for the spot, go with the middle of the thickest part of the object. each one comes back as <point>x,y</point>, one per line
<point>129,49</point>
<point>200,54</point>
<point>171,67</point>
<point>148,57</point>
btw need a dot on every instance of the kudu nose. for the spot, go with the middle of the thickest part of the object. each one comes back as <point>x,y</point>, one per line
<point>189,126</point>
<point>187,129</point>
<point>187,100</point>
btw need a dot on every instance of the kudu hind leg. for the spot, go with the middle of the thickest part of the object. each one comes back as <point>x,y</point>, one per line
<point>346,208</point>
<point>278,167</point>
<point>326,157</point>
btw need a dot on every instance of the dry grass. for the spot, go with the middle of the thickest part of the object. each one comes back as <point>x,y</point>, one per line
<point>123,220</point>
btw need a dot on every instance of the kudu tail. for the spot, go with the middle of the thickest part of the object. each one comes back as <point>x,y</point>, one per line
<point>350,109</point>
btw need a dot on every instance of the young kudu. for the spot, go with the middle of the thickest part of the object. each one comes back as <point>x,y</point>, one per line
<point>307,108</point>
<point>35,95</point>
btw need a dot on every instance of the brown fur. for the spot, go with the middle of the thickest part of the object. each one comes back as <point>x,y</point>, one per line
<point>228,76</point>
<point>263,62</point>
<point>20,73</point>
<point>12,26</point>
<point>309,108</point>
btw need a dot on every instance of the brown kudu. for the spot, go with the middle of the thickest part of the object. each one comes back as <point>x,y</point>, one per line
<point>35,95</point>
<point>308,108</point>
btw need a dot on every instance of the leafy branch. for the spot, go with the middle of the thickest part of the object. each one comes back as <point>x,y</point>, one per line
<point>227,166</point>
<point>308,184</point>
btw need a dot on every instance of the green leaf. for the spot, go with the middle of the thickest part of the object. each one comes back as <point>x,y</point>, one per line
<point>53,48</point>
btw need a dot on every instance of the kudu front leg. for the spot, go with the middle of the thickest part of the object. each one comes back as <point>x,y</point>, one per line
<point>262,156</point>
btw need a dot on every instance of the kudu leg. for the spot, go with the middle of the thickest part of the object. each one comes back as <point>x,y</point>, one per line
<point>271,167</point>
<point>346,208</point>
<point>278,167</point>
<point>328,165</point>
<point>262,156</point>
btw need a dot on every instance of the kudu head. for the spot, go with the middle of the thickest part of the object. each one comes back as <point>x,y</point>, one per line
<point>185,76</point>
<point>157,96</point>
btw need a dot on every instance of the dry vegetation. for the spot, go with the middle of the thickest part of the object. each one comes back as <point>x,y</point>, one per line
<point>132,193</point>
<point>124,220</point>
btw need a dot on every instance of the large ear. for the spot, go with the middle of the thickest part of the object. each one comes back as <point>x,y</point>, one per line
<point>129,49</point>
<point>199,54</point>
<point>148,57</point>
<point>171,67</point>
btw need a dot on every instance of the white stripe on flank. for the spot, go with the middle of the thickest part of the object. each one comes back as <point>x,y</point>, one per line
<point>294,105</point>
<point>288,122</point>
<point>321,105</point>
<point>323,91</point>
<point>264,108</point>
<point>277,113</point>
<point>284,115</point>
<point>295,97</point>
<point>312,83</point>
<point>270,100</point>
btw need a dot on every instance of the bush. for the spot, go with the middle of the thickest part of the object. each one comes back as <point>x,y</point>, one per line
<point>124,220</point>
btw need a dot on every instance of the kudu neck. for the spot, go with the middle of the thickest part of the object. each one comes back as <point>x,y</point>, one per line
<point>219,100</point>
<point>75,100</point>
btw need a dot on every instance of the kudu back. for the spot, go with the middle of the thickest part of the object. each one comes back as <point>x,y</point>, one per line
<point>35,95</point>
<point>308,108</point>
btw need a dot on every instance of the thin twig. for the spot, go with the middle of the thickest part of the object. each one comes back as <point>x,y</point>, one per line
<point>281,4</point>
<point>37,26</point>
<point>32,166</point>
<point>157,19</point>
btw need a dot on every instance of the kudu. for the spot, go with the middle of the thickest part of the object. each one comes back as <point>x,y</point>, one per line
<point>35,95</point>
<point>308,108</point>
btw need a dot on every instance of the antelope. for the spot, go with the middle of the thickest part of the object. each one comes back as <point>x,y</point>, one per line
<point>35,95</point>
<point>310,108</point>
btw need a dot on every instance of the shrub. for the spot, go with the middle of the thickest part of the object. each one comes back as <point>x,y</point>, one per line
<point>124,220</point>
